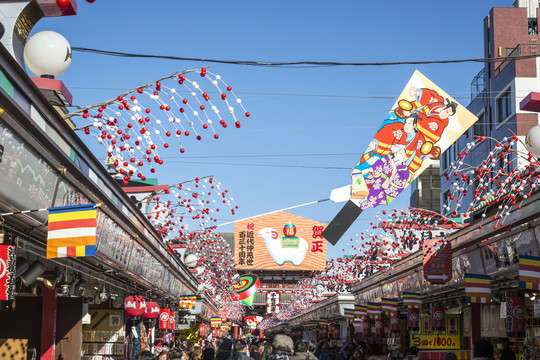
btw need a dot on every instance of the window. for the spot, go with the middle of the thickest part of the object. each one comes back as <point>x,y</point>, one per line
<point>504,106</point>
<point>479,127</point>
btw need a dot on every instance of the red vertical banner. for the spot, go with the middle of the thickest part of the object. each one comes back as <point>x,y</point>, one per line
<point>323,332</point>
<point>515,315</point>
<point>394,323</point>
<point>7,272</point>
<point>379,328</point>
<point>172,320</point>
<point>164,315</point>
<point>201,330</point>
<point>366,326</point>
<point>214,332</point>
<point>438,318</point>
<point>414,319</point>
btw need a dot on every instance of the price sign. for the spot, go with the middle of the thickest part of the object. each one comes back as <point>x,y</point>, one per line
<point>428,338</point>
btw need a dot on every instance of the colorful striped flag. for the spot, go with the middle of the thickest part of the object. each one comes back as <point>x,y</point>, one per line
<point>529,272</point>
<point>215,321</point>
<point>72,231</point>
<point>323,321</point>
<point>374,310</point>
<point>412,300</point>
<point>477,288</point>
<point>348,313</point>
<point>188,301</point>
<point>360,311</point>
<point>389,306</point>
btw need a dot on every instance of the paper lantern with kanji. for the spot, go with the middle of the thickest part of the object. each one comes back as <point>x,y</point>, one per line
<point>134,305</point>
<point>151,311</point>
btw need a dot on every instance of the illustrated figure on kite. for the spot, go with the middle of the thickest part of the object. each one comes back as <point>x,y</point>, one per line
<point>416,126</point>
<point>421,125</point>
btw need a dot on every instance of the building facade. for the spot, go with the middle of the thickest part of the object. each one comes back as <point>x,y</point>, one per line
<point>498,89</point>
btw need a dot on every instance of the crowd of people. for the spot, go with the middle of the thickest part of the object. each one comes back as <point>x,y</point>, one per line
<point>282,347</point>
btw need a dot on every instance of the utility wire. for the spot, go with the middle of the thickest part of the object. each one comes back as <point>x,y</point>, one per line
<point>295,63</point>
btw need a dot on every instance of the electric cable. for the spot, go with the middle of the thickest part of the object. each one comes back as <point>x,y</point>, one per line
<point>295,63</point>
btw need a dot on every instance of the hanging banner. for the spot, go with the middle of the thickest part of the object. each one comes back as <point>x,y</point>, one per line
<point>422,124</point>
<point>282,241</point>
<point>438,318</point>
<point>515,315</point>
<point>8,265</point>
<point>367,328</point>
<point>164,315</point>
<point>172,320</point>
<point>202,330</point>
<point>379,328</point>
<point>272,302</point>
<point>414,319</point>
<point>394,323</point>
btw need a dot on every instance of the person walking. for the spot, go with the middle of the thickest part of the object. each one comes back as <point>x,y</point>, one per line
<point>240,351</point>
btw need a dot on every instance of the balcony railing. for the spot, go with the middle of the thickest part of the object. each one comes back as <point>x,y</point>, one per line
<point>520,50</point>
<point>478,84</point>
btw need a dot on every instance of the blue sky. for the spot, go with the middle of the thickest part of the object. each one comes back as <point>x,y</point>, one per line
<point>303,120</point>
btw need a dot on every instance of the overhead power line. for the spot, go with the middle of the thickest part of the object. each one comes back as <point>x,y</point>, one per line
<point>293,63</point>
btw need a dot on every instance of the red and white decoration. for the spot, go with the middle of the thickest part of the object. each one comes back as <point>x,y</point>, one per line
<point>134,305</point>
<point>151,311</point>
<point>7,272</point>
<point>164,315</point>
<point>163,116</point>
<point>272,302</point>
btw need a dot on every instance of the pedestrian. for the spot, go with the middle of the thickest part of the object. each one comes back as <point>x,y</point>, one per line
<point>196,353</point>
<point>208,351</point>
<point>145,355</point>
<point>240,351</point>
<point>312,346</point>
<point>413,353</point>
<point>357,354</point>
<point>482,350</point>
<point>450,356</point>
<point>301,351</point>
<point>255,351</point>
<point>163,355</point>
<point>175,354</point>
<point>224,348</point>
<point>282,348</point>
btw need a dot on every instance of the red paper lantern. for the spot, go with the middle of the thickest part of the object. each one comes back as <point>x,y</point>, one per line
<point>151,311</point>
<point>134,305</point>
<point>62,3</point>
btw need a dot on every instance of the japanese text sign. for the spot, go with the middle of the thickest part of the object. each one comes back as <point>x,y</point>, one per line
<point>281,241</point>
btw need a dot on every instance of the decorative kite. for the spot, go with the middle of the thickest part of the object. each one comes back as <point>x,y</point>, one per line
<point>247,289</point>
<point>421,125</point>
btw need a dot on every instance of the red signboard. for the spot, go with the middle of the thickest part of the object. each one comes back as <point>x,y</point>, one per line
<point>164,315</point>
<point>7,272</point>
<point>437,261</point>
